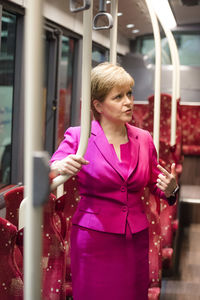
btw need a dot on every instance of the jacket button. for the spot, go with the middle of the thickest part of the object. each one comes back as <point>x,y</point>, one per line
<point>123,188</point>
<point>124,208</point>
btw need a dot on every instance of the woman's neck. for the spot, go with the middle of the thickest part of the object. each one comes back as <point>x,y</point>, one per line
<point>115,133</point>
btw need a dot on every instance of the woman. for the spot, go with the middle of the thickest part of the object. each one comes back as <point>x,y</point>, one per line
<point>109,238</point>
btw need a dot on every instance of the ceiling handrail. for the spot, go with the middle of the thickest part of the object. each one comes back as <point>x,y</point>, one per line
<point>73,6</point>
<point>102,14</point>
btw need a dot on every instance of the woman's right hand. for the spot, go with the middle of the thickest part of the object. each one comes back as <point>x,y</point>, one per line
<point>70,165</point>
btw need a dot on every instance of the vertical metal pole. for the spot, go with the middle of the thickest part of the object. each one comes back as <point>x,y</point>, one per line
<point>113,32</point>
<point>156,32</point>
<point>86,90</point>
<point>175,60</point>
<point>33,142</point>
<point>86,79</point>
<point>178,90</point>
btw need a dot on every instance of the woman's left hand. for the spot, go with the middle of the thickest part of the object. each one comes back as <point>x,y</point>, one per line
<point>167,181</point>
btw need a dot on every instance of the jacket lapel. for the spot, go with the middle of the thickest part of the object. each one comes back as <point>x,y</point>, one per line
<point>104,147</point>
<point>134,149</point>
<point>106,150</point>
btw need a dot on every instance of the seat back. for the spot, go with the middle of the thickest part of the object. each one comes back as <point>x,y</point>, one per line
<point>13,198</point>
<point>11,279</point>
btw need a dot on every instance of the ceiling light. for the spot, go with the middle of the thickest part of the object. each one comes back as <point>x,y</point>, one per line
<point>120,14</point>
<point>130,25</point>
<point>108,2</point>
<point>135,31</point>
<point>164,13</point>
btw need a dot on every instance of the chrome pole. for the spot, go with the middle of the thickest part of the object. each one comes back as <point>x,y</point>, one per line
<point>86,90</point>
<point>157,82</point>
<point>33,142</point>
<point>113,32</point>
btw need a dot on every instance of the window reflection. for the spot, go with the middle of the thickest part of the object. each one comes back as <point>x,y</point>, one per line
<point>99,55</point>
<point>188,46</point>
<point>7,59</point>
<point>65,88</point>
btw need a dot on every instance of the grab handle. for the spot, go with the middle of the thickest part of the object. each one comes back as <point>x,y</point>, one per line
<point>102,13</point>
<point>73,5</point>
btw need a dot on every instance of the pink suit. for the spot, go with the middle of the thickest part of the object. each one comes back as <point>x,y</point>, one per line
<point>111,201</point>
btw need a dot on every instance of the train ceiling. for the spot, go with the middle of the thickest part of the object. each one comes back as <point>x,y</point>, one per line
<point>136,12</point>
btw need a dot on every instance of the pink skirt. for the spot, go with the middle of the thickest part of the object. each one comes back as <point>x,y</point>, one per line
<point>108,266</point>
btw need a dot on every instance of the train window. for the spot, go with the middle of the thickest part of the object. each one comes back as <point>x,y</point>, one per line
<point>146,47</point>
<point>188,46</point>
<point>7,63</point>
<point>65,86</point>
<point>99,55</point>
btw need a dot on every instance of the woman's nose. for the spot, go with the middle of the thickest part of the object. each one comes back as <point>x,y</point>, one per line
<point>128,100</point>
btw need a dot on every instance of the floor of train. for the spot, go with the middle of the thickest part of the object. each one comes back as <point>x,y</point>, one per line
<point>186,284</point>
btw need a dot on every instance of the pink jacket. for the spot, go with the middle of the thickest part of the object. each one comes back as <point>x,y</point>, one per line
<point>108,199</point>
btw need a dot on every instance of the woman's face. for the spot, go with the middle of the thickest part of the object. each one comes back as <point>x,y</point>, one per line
<point>117,107</point>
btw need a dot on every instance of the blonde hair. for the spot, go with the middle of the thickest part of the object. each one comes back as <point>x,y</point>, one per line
<point>104,78</point>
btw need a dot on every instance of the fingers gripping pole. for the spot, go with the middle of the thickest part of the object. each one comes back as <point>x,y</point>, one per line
<point>86,91</point>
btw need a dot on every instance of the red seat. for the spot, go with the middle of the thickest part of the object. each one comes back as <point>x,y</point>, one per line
<point>11,282</point>
<point>191,129</point>
<point>13,198</point>
<point>139,113</point>
<point>53,257</point>
<point>71,200</point>
<point>151,206</point>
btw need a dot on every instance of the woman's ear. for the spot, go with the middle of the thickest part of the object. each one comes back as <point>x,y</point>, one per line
<point>97,105</point>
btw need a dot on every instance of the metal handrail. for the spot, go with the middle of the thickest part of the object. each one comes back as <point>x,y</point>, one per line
<point>102,13</point>
<point>113,32</point>
<point>86,92</point>
<point>30,212</point>
<point>175,79</point>
<point>73,7</point>
<point>33,142</point>
<point>157,82</point>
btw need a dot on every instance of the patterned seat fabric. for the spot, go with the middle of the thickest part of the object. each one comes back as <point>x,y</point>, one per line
<point>13,198</point>
<point>11,283</point>
<point>54,254</point>
<point>191,129</point>
<point>152,207</point>
<point>167,155</point>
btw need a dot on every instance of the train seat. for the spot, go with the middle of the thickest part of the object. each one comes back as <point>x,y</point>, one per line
<point>71,198</point>
<point>54,228</point>
<point>191,129</point>
<point>13,198</point>
<point>53,255</point>
<point>165,122</point>
<point>154,293</point>
<point>139,113</point>
<point>11,279</point>
<point>152,207</point>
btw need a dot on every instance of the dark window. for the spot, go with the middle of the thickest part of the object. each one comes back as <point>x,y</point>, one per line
<point>65,86</point>
<point>7,62</point>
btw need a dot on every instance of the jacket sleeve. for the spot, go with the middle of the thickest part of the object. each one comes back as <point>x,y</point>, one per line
<point>68,146</point>
<point>154,172</point>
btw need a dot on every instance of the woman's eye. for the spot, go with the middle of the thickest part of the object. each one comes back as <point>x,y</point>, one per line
<point>118,96</point>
